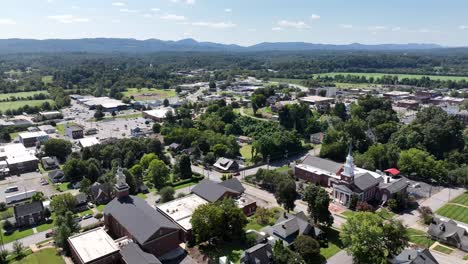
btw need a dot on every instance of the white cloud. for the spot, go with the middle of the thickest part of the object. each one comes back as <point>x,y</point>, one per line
<point>315,17</point>
<point>155,9</point>
<point>118,4</point>
<point>50,1</point>
<point>68,19</point>
<point>396,28</point>
<point>276,28</point>
<point>379,28</point>
<point>188,2</point>
<point>7,21</point>
<point>228,10</point>
<point>347,26</point>
<point>293,24</point>
<point>173,17</point>
<point>463,27</point>
<point>126,10</point>
<point>214,24</point>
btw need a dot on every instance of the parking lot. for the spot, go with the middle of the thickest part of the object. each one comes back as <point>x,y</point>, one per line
<point>25,182</point>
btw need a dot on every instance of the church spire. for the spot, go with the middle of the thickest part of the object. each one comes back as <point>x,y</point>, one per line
<point>348,169</point>
<point>121,187</point>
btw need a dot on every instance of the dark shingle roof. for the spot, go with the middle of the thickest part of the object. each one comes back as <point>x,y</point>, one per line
<point>233,184</point>
<point>210,190</point>
<point>55,174</point>
<point>258,254</point>
<point>81,198</point>
<point>448,229</point>
<point>98,189</point>
<point>414,256</point>
<point>132,253</point>
<point>323,164</point>
<point>365,181</point>
<point>28,209</point>
<point>137,217</point>
<point>289,226</point>
<point>395,186</point>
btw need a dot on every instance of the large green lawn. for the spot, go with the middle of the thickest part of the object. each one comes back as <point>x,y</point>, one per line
<point>21,94</point>
<point>455,212</point>
<point>45,256</point>
<point>149,94</point>
<point>246,152</point>
<point>17,104</point>
<point>462,199</point>
<point>334,244</point>
<point>419,237</point>
<point>17,234</point>
<point>400,76</point>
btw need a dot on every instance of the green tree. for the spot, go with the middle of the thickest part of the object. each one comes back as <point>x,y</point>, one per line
<point>156,128</point>
<point>18,249</point>
<point>59,148</point>
<point>420,164</point>
<point>185,166</point>
<point>257,101</point>
<point>62,203</point>
<point>158,172</point>
<point>318,200</point>
<point>38,196</point>
<point>167,194</point>
<point>74,169</point>
<point>370,240</point>
<point>286,193</point>
<point>284,255</point>
<point>146,160</point>
<point>307,247</point>
<point>340,111</point>
<point>85,184</point>
<point>166,102</point>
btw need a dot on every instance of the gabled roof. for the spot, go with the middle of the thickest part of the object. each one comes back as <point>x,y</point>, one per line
<point>258,254</point>
<point>233,184</point>
<point>395,186</point>
<point>97,190</point>
<point>81,198</point>
<point>131,253</point>
<point>289,226</point>
<point>224,163</point>
<point>449,229</point>
<point>211,191</point>
<point>28,209</point>
<point>140,219</point>
<point>56,174</point>
<point>414,256</point>
<point>365,181</point>
<point>323,164</point>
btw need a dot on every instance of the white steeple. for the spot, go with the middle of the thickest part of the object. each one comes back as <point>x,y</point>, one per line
<point>348,169</point>
<point>121,187</point>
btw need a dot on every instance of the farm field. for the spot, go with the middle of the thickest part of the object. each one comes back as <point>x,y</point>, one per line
<point>21,94</point>
<point>17,104</point>
<point>410,76</point>
<point>149,94</point>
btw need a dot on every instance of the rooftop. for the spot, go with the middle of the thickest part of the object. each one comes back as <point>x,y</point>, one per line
<point>315,99</point>
<point>93,244</point>
<point>88,142</point>
<point>32,134</point>
<point>16,153</point>
<point>160,112</point>
<point>181,210</point>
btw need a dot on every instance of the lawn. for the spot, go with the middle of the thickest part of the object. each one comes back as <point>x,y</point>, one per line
<point>232,251</point>
<point>48,225</point>
<point>334,243</point>
<point>21,94</point>
<point>283,169</point>
<point>65,186</point>
<point>462,199</point>
<point>246,152</point>
<point>347,214</point>
<point>184,185</point>
<point>443,249</point>
<point>142,196</point>
<point>17,234</point>
<point>100,207</point>
<point>456,212</point>
<point>419,237</point>
<point>149,94</point>
<point>17,104</point>
<point>85,212</point>
<point>48,255</point>
<point>253,224</point>
<point>400,76</point>
<point>7,213</point>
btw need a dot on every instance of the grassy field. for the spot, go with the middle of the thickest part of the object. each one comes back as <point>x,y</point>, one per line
<point>100,207</point>
<point>246,152</point>
<point>149,94</point>
<point>455,212</point>
<point>462,199</point>
<point>17,234</point>
<point>7,213</point>
<point>47,79</point>
<point>419,237</point>
<point>17,104</point>
<point>48,255</point>
<point>65,186</point>
<point>443,249</point>
<point>400,76</point>
<point>21,94</point>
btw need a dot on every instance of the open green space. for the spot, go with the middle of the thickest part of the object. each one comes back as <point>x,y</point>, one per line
<point>7,213</point>
<point>443,249</point>
<point>100,207</point>
<point>419,237</point>
<point>462,199</point>
<point>400,76</point>
<point>185,185</point>
<point>85,212</point>
<point>16,234</point>
<point>455,212</point>
<point>17,104</point>
<point>47,79</point>
<point>48,225</point>
<point>232,251</point>
<point>285,80</point>
<point>149,94</point>
<point>47,255</point>
<point>246,152</point>
<point>65,186</point>
<point>21,94</point>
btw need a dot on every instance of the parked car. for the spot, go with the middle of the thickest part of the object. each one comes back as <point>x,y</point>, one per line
<point>50,234</point>
<point>87,216</point>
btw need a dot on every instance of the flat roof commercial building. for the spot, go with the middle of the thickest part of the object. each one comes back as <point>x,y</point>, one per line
<point>181,210</point>
<point>29,139</point>
<point>94,246</point>
<point>16,159</point>
<point>157,115</point>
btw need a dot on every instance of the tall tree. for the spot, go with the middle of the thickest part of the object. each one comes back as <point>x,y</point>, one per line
<point>158,172</point>
<point>59,148</point>
<point>62,203</point>
<point>286,193</point>
<point>307,247</point>
<point>318,201</point>
<point>185,167</point>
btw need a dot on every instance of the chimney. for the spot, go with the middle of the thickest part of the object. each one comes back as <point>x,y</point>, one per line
<point>388,179</point>
<point>283,226</point>
<point>285,215</point>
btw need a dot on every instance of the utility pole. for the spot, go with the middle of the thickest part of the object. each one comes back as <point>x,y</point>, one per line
<point>268,162</point>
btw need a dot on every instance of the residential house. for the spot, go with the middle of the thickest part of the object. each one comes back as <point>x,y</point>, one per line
<point>174,147</point>
<point>29,213</point>
<point>258,254</point>
<point>81,202</point>
<point>317,138</point>
<point>131,216</point>
<point>49,163</point>
<point>74,131</point>
<point>288,227</point>
<point>414,256</point>
<point>100,193</point>
<point>449,232</point>
<point>225,164</point>
<point>56,176</point>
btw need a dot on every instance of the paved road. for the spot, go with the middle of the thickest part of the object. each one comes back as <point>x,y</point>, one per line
<point>340,258</point>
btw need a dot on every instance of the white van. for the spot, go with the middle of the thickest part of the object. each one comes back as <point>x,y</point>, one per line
<point>11,189</point>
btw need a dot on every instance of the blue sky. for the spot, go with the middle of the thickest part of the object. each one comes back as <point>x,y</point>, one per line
<point>242,22</point>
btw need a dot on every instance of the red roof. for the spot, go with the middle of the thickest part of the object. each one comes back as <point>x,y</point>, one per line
<point>393,171</point>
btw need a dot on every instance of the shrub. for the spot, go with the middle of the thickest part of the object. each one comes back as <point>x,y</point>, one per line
<point>7,225</point>
<point>180,195</point>
<point>364,207</point>
<point>167,194</point>
<point>3,206</point>
<point>426,214</point>
<point>392,205</point>
<point>98,216</point>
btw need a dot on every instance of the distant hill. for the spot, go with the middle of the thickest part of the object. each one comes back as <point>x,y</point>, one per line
<point>107,45</point>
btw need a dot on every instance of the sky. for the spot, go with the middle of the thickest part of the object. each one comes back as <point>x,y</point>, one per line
<point>243,22</point>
